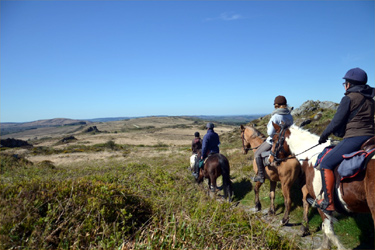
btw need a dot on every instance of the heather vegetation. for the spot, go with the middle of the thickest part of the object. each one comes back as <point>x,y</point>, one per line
<point>99,192</point>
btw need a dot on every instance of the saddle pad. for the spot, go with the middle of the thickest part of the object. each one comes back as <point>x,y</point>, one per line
<point>353,163</point>
<point>322,154</point>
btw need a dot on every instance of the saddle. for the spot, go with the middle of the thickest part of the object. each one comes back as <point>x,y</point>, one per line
<point>352,163</point>
<point>265,157</point>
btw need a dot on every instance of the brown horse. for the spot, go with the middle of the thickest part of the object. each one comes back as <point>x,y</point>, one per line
<point>286,173</point>
<point>354,195</point>
<point>216,165</point>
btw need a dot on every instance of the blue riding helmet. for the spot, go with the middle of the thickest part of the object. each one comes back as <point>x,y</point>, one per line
<point>356,74</point>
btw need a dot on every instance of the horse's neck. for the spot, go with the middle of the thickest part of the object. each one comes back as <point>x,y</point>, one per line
<point>301,140</point>
<point>255,142</point>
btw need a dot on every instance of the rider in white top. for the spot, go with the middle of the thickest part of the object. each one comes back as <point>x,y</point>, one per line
<point>281,115</point>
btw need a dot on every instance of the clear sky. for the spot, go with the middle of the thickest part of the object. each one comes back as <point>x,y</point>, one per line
<point>91,59</point>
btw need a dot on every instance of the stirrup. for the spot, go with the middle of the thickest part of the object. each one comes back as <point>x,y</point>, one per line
<point>314,203</point>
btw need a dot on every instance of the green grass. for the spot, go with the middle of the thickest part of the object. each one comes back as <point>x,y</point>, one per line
<point>145,203</point>
<point>153,203</point>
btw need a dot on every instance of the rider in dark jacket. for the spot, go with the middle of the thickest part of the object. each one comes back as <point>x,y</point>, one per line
<point>359,129</point>
<point>210,145</point>
<point>211,142</point>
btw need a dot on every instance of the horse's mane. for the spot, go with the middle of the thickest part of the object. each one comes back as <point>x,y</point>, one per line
<point>301,140</point>
<point>256,132</point>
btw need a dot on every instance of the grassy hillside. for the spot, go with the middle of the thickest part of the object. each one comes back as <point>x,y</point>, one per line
<point>129,187</point>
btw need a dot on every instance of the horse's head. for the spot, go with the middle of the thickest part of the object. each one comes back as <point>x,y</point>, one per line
<point>250,137</point>
<point>245,144</point>
<point>280,149</point>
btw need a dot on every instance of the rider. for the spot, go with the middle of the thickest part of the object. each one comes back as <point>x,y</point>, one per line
<point>210,145</point>
<point>281,115</point>
<point>211,142</point>
<point>196,144</point>
<point>359,129</point>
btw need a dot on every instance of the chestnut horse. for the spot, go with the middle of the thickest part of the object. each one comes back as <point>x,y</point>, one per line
<point>216,165</point>
<point>353,195</point>
<point>286,173</point>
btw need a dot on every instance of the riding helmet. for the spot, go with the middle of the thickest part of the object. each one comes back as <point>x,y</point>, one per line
<point>280,100</point>
<point>196,134</point>
<point>356,74</point>
<point>210,125</point>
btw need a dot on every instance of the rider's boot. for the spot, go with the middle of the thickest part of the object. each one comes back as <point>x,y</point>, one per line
<point>328,182</point>
<point>260,176</point>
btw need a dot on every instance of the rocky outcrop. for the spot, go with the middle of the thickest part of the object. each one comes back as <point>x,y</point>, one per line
<point>68,139</point>
<point>311,106</point>
<point>14,143</point>
<point>92,129</point>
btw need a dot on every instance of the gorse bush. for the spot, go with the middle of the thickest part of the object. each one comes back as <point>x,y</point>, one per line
<point>12,162</point>
<point>62,214</point>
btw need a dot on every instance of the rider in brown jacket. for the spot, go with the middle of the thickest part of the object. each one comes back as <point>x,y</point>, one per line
<point>354,119</point>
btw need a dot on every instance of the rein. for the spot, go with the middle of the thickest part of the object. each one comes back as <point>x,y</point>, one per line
<point>279,147</point>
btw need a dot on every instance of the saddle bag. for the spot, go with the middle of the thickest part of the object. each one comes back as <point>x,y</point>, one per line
<point>354,163</point>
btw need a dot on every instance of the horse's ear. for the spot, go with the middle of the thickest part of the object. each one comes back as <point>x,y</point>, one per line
<point>242,127</point>
<point>277,127</point>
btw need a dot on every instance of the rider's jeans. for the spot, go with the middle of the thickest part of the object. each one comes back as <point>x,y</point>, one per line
<point>346,146</point>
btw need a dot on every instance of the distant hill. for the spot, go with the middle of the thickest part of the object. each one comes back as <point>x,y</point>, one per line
<point>229,119</point>
<point>10,128</point>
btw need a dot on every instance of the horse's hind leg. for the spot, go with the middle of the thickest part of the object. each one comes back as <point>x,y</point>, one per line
<point>258,206</point>
<point>272,197</point>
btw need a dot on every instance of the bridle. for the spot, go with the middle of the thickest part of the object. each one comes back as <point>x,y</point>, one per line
<point>279,147</point>
<point>244,140</point>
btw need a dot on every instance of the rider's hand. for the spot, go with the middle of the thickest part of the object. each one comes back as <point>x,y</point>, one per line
<point>323,139</point>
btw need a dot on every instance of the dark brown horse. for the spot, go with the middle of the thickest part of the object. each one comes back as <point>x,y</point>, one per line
<point>354,195</point>
<point>286,173</point>
<point>216,165</point>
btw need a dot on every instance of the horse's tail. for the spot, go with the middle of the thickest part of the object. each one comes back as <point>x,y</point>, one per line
<point>225,172</point>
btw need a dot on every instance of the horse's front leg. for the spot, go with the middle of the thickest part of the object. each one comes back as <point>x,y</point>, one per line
<point>286,186</point>
<point>209,184</point>
<point>327,228</point>
<point>272,197</point>
<point>305,224</point>
<point>258,206</point>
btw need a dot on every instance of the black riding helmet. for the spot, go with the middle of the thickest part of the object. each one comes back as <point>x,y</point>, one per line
<point>210,125</point>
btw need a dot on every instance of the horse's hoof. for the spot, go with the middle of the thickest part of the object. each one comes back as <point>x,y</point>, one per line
<point>271,212</point>
<point>284,221</point>
<point>305,231</point>
<point>258,207</point>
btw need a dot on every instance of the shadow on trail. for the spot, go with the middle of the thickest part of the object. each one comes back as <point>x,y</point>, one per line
<point>242,188</point>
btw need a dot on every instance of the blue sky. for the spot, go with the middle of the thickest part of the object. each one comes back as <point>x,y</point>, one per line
<point>90,59</point>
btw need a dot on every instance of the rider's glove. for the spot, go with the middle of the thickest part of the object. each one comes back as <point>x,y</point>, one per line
<point>323,138</point>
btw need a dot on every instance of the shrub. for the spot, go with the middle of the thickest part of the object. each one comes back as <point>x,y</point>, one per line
<point>82,213</point>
